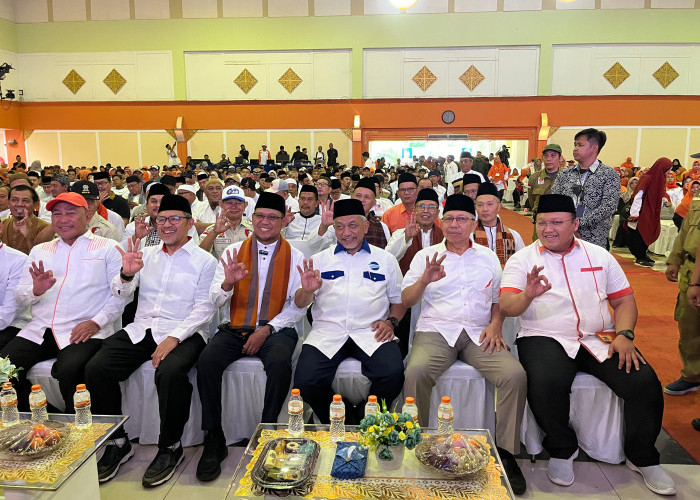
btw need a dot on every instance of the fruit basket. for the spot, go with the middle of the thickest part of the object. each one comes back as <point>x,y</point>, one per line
<point>29,440</point>
<point>456,455</point>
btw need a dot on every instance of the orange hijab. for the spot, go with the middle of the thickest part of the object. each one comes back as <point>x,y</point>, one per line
<point>673,184</point>
<point>684,205</point>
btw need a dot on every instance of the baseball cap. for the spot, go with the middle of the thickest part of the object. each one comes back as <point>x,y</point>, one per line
<point>86,189</point>
<point>552,147</point>
<point>233,193</point>
<point>154,167</point>
<point>278,185</point>
<point>72,198</point>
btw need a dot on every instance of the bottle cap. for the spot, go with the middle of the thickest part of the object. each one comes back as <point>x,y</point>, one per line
<point>7,385</point>
<point>36,387</point>
<point>445,399</point>
<point>410,400</point>
<point>372,399</point>
<point>80,387</point>
<point>295,392</point>
<point>337,398</point>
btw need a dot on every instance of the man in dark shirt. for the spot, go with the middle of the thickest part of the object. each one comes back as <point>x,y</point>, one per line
<point>243,153</point>
<point>110,200</point>
<point>297,156</point>
<point>282,155</point>
<point>19,165</point>
<point>332,155</point>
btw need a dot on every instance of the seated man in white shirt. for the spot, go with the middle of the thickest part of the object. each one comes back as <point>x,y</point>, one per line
<point>188,192</point>
<point>566,327</point>
<point>170,328</point>
<point>341,281</point>
<point>434,176</point>
<point>73,310</point>
<point>307,220</point>
<point>230,226</point>
<point>256,279</point>
<point>490,230</point>
<point>209,209</point>
<point>13,317</point>
<point>457,283</point>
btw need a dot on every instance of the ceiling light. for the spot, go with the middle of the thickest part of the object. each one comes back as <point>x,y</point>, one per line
<point>403,4</point>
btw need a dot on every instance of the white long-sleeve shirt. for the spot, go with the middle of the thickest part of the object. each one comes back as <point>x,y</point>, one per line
<point>12,263</point>
<point>173,293</point>
<point>83,272</point>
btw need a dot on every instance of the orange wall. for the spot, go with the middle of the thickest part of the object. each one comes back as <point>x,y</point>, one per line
<point>483,117</point>
<point>17,149</point>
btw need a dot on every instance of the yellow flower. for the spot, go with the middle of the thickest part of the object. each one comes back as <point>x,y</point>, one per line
<point>388,430</point>
<point>396,417</point>
<point>409,424</point>
<point>402,436</point>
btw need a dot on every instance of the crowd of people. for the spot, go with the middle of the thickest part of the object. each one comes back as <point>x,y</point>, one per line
<point>161,253</point>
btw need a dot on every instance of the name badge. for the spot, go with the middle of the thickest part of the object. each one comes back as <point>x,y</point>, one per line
<point>540,181</point>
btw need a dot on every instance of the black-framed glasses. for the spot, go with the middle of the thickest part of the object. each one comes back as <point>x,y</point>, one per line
<point>269,218</point>
<point>173,219</point>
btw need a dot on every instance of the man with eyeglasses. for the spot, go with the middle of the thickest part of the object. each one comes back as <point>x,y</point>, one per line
<point>398,215</point>
<point>230,226</point>
<point>109,199</point>
<point>170,328</point>
<point>330,280</point>
<point>593,187</point>
<point>256,279</point>
<point>563,288</point>
<point>490,230</point>
<point>457,283</point>
<point>323,186</point>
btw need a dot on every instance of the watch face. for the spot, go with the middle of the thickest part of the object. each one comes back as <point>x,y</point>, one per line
<point>448,116</point>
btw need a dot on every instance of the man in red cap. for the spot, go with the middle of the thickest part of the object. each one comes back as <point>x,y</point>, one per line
<point>67,286</point>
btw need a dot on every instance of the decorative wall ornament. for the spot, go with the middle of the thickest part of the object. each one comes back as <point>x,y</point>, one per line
<point>616,75</point>
<point>114,81</point>
<point>347,132</point>
<point>27,134</point>
<point>552,130</point>
<point>171,132</point>
<point>190,133</point>
<point>471,78</point>
<point>424,78</point>
<point>73,81</point>
<point>290,80</point>
<point>665,75</point>
<point>245,81</point>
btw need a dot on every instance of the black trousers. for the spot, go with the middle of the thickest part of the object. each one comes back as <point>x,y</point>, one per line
<point>550,373</point>
<point>315,373</point>
<point>637,245</point>
<point>227,347</point>
<point>6,335</point>
<point>119,358</point>
<point>516,198</point>
<point>403,332</point>
<point>69,368</point>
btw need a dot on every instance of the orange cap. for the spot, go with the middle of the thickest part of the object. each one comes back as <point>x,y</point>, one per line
<point>337,398</point>
<point>295,392</point>
<point>445,399</point>
<point>37,387</point>
<point>372,399</point>
<point>72,198</point>
<point>7,385</point>
<point>80,387</point>
<point>410,400</point>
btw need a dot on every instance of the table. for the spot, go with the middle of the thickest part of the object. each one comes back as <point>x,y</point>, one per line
<point>68,474</point>
<point>413,480</point>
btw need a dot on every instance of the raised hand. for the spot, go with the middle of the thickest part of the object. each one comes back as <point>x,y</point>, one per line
<point>42,279</point>
<point>326,214</point>
<point>141,227</point>
<point>234,271</point>
<point>536,284</point>
<point>310,278</point>
<point>132,259</point>
<point>288,217</point>
<point>22,227</point>
<point>222,224</point>
<point>434,270</point>
<point>412,228</point>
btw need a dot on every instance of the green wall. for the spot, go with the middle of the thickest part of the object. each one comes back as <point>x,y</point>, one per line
<point>544,28</point>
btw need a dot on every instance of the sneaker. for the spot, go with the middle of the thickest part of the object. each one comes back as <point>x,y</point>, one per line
<point>680,387</point>
<point>513,472</point>
<point>112,458</point>
<point>655,478</point>
<point>215,450</point>
<point>645,262</point>
<point>162,467</point>
<point>561,470</point>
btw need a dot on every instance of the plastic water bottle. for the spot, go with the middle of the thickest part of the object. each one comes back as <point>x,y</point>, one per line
<point>410,407</point>
<point>372,407</point>
<point>37,403</point>
<point>446,416</point>
<point>295,408</point>
<point>8,400</point>
<point>81,402</point>
<point>337,430</point>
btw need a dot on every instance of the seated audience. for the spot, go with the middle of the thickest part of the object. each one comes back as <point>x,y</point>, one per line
<point>23,229</point>
<point>13,317</point>
<point>490,230</point>
<point>230,226</point>
<point>97,224</point>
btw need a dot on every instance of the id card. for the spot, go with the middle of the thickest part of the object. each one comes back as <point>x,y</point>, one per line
<point>606,337</point>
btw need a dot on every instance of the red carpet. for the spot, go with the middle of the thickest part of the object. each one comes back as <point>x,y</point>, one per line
<point>657,337</point>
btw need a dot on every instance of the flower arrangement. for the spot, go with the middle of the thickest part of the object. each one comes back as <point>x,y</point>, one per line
<point>381,430</point>
<point>7,370</point>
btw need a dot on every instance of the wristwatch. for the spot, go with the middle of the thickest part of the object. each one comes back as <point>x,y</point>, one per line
<point>627,333</point>
<point>272,329</point>
<point>124,276</point>
<point>394,322</point>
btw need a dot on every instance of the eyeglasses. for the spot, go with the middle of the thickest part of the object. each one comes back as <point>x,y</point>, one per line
<point>322,184</point>
<point>556,224</point>
<point>460,220</point>
<point>269,218</point>
<point>426,207</point>
<point>407,190</point>
<point>173,219</point>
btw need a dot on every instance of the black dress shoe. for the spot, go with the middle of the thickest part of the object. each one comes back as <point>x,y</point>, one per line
<point>162,467</point>
<point>215,450</point>
<point>513,472</point>
<point>696,424</point>
<point>112,458</point>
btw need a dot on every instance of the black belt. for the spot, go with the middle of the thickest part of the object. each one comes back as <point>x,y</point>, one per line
<point>691,258</point>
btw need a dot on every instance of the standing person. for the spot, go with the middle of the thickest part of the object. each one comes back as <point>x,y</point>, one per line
<point>541,182</point>
<point>73,310</point>
<point>456,282</point>
<point>504,155</point>
<point>466,162</point>
<point>397,216</point>
<point>320,157</point>
<point>263,155</point>
<point>680,263</point>
<point>593,187</point>
<point>498,174</point>
<point>490,230</point>
<point>170,328</point>
<point>451,169</point>
<point>554,344</point>
<point>258,279</point>
<point>332,155</point>
<point>436,181</point>
<point>645,214</point>
<point>327,280</point>
<point>173,159</point>
<point>244,153</point>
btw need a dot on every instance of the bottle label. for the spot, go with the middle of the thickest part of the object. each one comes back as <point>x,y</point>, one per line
<point>9,403</point>
<point>81,404</point>
<point>39,404</point>
<point>337,413</point>
<point>295,408</point>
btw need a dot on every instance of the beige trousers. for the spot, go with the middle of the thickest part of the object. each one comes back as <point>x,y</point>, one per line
<point>431,356</point>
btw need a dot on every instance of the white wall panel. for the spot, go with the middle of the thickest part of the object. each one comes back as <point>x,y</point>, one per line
<point>31,11</point>
<point>506,71</point>
<point>476,5</point>
<point>672,4</point>
<point>621,4</point>
<point>109,10</point>
<point>287,8</point>
<point>243,8</point>
<point>7,10</point>
<point>69,10</point>
<point>380,7</point>
<point>152,9</point>
<point>199,9</point>
<point>332,7</point>
<point>512,5</point>
<point>148,76</point>
<point>428,7</point>
<point>575,4</point>
<point>325,74</point>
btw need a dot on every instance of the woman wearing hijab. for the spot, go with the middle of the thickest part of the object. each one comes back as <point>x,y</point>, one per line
<point>684,206</point>
<point>673,190</point>
<point>645,214</point>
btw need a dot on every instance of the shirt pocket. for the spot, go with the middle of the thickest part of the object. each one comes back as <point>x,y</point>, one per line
<point>91,271</point>
<point>482,295</point>
<point>332,275</point>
